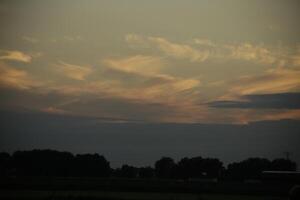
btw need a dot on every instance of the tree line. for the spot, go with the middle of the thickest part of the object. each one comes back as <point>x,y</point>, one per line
<point>51,163</point>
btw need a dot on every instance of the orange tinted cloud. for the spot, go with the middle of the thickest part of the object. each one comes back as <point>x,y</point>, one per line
<point>15,56</point>
<point>74,71</point>
<point>273,81</point>
<point>147,65</point>
<point>171,49</point>
<point>202,49</point>
<point>15,78</point>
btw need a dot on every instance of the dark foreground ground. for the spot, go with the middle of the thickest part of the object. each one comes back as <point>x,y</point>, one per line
<point>135,189</point>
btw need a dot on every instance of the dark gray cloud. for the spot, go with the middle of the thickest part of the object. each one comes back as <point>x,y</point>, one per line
<point>109,109</point>
<point>18,99</point>
<point>262,101</point>
<point>120,108</point>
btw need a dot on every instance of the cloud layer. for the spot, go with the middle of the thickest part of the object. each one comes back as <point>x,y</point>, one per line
<point>151,83</point>
<point>15,56</point>
<point>75,72</point>
<point>262,101</point>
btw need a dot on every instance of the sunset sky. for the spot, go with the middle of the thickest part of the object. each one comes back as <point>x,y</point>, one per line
<point>152,61</point>
<point>189,62</point>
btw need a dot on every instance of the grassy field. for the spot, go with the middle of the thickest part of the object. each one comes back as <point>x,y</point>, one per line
<point>38,188</point>
<point>100,195</point>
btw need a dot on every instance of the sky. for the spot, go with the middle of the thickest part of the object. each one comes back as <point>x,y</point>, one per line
<point>233,62</point>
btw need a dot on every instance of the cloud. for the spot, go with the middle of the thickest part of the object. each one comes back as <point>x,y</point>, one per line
<point>134,80</point>
<point>147,65</point>
<point>286,114</point>
<point>204,42</point>
<point>296,60</point>
<point>262,101</point>
<point>74,71</point>
<point>250,52</point>
<point>202,49</point>
<point>245,116</point>
<point>119,108</point>
<point>171,49</point>
<point>246,51</point>
<point>54,110</point>
<point>159,91</point>
<point>272,81</point>
<point>148,80</point>
<point>182,51</point>
<point>15,78</point>
<point>151,81</point>
<point>15,56</point>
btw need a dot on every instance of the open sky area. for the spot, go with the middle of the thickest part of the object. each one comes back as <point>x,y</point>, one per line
<point>106,70</point>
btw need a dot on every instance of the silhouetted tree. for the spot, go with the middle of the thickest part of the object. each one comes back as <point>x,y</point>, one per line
<point>165,167</point>
<point>183,168</point>
<point>42,163</point>
<point>127,171</point>
<point>283,165</point>
<point>212,167</point>
<point>91,165</point>
<point>146,172</point>
<point>248,169</point>
<point>199,167</point>
<point>5,164</point>
<point>55,163</point>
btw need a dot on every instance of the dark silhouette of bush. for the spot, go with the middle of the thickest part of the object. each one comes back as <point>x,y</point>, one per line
<point>42,163</point>
<point>5,164</point>
<point>146,172</point>
<point>248,169</point>
<point>212,167</point>
<point>199,167</point>
<point>126,171</point>
<point>165,168</point>
<point>183,168</point>
<point>252,168</point>
<point>283,165</point>
<point>90,165</point>
<point>53,163</point>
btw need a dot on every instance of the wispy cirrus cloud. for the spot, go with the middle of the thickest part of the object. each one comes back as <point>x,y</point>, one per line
<point>273,95</point>
<point>171,49</point>
<point>250,52</point>
<point>203,49</point>
<point>182,51</point>
<point>72,71</point>
<point>147,65</point>
<point>272,81</point>
<point>15,56</point>
<point>246,51</point>
<point>150,81</point>
<point>15,78</point>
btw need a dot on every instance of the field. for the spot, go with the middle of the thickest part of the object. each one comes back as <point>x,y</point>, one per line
<point>100,195</point>
<point>124,189</point>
